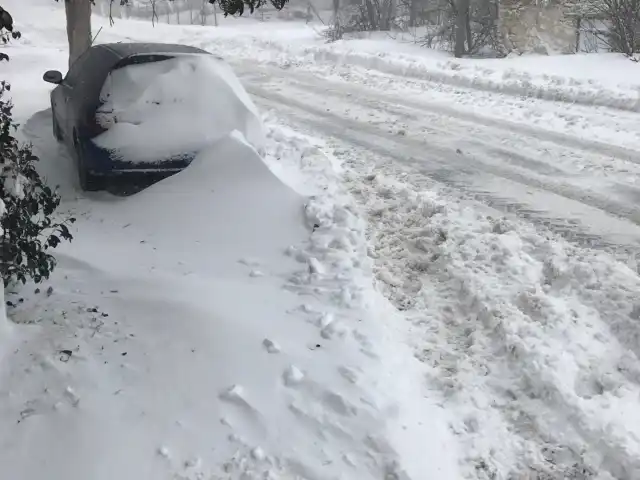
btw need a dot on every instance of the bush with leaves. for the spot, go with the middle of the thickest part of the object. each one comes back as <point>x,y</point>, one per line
<point>27,205</point>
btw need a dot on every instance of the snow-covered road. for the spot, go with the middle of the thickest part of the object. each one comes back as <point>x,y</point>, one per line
<point>489,235</point>
<point>504,230</point>
<point>584,189</point>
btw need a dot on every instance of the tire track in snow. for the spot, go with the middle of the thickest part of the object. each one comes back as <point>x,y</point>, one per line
<point>366,95</point>
<point>503,331</point>
<point>478,128</point>
<point>448,167</point>
<point>532,343</point>
<point>528,364</point>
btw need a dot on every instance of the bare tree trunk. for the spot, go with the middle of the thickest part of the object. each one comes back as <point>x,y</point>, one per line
<point>413,13</point>
<point>388,15</point>
<point>78,14</point>
<point>462,19</point>
<point>371,13</point>
<point>470,45</point>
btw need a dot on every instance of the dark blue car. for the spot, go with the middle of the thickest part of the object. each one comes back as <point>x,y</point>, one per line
<point>76,99</point>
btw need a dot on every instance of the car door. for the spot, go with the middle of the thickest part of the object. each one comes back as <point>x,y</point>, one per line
<point>69,96</point>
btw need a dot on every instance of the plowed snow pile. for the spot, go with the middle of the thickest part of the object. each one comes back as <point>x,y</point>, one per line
<point>532,342</point>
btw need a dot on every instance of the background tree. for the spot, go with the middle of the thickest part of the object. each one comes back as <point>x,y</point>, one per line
<point>621,17</point>
<point>462,24</point>
<point>78,14</point>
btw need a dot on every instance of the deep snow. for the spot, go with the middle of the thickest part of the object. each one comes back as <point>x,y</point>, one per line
<point>200,348</point>
<point>527,342</point>
<point>217,325</point>
<point>193,100</point>
<point>531,342</point>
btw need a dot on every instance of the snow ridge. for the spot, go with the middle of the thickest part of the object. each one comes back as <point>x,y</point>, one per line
<point>347,55</point>
<point>337,270</point>
<point>531,341</point>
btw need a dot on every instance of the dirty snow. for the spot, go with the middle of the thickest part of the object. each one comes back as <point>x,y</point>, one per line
<point>242,335</point>
<point>530,341</point>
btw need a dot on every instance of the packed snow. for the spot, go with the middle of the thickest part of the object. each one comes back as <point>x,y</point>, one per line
<point>193,100</point>
<point>410,275</point>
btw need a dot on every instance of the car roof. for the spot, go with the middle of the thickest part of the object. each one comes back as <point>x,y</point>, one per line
<point>123,50</point>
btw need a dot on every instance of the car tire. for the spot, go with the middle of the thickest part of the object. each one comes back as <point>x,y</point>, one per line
<point>88,181</point>
<point>57,134</point>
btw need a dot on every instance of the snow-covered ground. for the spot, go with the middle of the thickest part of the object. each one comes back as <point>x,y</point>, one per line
<point>600,80</point>
<point>225,322</point>
<point>216,325</point>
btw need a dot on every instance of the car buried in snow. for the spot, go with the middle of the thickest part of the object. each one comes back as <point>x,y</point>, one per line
<point>142,108</point>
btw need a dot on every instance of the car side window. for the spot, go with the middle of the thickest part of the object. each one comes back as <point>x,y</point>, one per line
<point>92,66</point>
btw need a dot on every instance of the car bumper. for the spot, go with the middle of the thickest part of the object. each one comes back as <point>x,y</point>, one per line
<point>99,161</point>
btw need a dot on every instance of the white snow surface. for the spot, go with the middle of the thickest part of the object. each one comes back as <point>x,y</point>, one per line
<point>168,376</point>
<point>159,110</point>
<point>148,358</point>
<point>607,80</point>
<point>500,229</point>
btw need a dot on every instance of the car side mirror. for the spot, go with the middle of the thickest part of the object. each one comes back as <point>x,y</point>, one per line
<point>53,76</point>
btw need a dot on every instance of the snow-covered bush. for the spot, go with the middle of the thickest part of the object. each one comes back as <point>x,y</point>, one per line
<point>621,19</point>
<point>27,228</point>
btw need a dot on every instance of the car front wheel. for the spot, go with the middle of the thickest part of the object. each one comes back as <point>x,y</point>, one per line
<point>88,181</point>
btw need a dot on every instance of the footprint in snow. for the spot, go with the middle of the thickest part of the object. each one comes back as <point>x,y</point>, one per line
<point>258,454</point>
<point>292,376</point>
<point>330,328</point>
<point>349,374</point>
<point>249,262</point>
<point>315,267</point>
<point>271,346</point>
<point>164,452</point>
<point>236,396</point>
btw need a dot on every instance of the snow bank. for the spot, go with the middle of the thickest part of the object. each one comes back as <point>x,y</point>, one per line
<point>419,433</point>
<point>564,86</point>
<point>237,338</point>
<point>589,79</point>
<point>155,111</point>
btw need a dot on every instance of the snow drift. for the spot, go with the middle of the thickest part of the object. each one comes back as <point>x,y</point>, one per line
<point>229,341</point>
<point>155,111</point>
